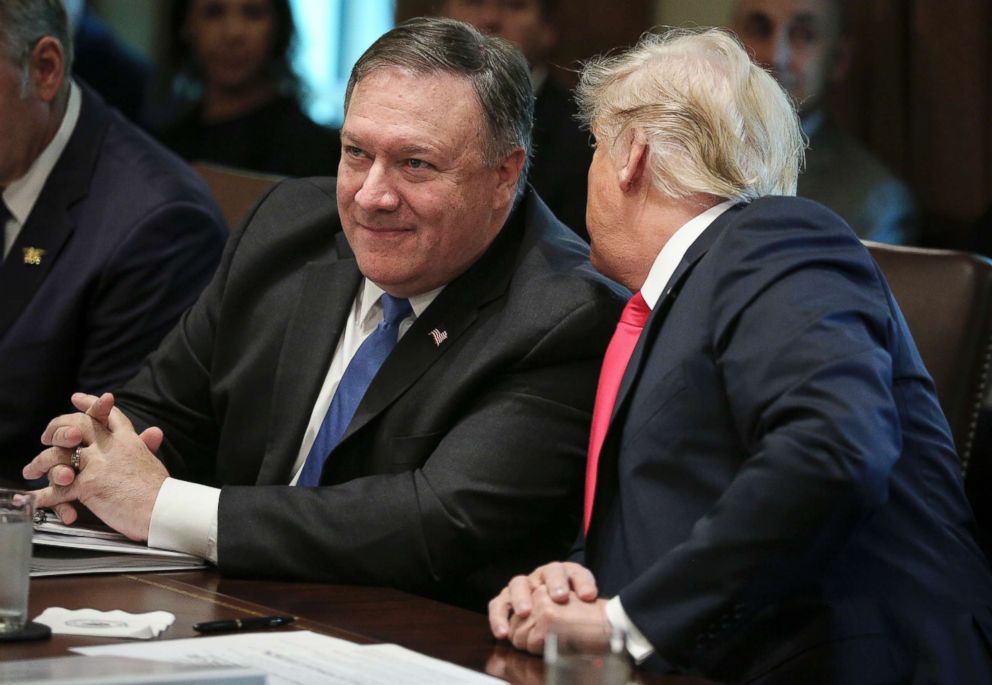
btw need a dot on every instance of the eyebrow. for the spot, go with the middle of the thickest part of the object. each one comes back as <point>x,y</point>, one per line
<point>416,149</point>
<point>349,138</point>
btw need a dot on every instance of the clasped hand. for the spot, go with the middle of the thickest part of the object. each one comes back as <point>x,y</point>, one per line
<point>559,592</point>
<point>119,476</point>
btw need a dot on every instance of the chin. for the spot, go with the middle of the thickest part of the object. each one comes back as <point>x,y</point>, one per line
<point>386,271</point>
<point>612,271</point>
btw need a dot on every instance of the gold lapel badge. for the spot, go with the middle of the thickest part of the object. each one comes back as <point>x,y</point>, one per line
<point>33,255</point>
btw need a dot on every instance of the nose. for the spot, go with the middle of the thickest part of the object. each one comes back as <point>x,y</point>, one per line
<point>771,50</point>
<point>234,25</point>
<point>377,193</point>
<point>781,51</point>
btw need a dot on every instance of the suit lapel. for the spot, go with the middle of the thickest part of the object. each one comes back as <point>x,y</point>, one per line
<point>50,225</point>
<point>312,335</point>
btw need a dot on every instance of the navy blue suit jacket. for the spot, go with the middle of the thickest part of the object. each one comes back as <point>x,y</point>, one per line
<point>778,494</point>
<point>130,236</point>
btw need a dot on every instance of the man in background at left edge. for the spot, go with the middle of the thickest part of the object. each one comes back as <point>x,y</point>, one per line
<point>107,237</point>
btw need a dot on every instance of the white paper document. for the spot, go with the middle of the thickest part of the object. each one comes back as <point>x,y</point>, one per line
<point>304,658</point>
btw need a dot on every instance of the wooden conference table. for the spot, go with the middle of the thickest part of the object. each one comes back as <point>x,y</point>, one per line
<point>361,614</point>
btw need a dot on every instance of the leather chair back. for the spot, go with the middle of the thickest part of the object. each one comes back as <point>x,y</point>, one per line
<point>236,190</point>
<point>946,298</point>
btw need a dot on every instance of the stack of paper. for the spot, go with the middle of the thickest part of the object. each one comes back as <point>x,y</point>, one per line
<point>83,670</point>
<point>61,550</point>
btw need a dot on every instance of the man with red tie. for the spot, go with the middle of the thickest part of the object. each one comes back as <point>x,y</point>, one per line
<point>772,491</point>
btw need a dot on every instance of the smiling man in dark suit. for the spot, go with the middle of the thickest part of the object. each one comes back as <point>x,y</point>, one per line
<point>772,493</point>
<point>107,237</point>
<point>425,473</point>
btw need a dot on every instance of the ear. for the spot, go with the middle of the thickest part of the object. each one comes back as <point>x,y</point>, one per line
<point>47,68</point>
<point>633,173</point>
<point>507,175</point>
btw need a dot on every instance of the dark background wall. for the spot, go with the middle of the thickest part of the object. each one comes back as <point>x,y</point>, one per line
<point>919,93</point>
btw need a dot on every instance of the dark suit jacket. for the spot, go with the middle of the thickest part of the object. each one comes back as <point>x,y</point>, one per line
<point>778,495</point>
<point>561,156</point>
<point>131,236</point>
<point>456,449</point>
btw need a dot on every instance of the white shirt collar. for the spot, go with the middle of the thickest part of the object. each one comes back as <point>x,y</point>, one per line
<point>21,195</point>
<point>674,250</point>
<point>370,294</point>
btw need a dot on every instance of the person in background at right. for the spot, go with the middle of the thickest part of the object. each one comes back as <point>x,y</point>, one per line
<point>233,72</point>
<point>805,44</point>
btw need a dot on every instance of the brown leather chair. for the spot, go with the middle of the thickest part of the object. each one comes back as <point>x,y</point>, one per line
<point>236,190</point>
<point>946,298</point>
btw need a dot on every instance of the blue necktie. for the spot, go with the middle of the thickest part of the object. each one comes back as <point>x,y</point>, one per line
<point>355,381</point>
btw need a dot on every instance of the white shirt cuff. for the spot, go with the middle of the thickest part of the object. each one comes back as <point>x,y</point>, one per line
<point>638,645</point>
<point>184,519</point>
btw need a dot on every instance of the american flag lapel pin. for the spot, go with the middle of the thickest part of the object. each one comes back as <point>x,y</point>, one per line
<point>438,336</point>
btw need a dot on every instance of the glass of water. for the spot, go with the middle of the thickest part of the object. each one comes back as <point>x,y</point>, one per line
<point>586,654</point>
<point>16,524</point>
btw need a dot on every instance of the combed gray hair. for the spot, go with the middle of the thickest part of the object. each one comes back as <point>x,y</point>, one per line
<point>24,22</point>
<point>496,69</point>
<point>713,121</point>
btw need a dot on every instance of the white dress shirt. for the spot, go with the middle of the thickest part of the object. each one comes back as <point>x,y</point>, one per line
<point>661,272</point>
<point>21,195</point>
<point>185,514</point>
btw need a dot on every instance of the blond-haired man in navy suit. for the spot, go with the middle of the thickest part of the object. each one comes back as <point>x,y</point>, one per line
<point>772,493</point>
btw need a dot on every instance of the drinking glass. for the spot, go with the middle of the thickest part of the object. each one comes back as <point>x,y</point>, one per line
<point>586,654</point>
<point>16,524</point>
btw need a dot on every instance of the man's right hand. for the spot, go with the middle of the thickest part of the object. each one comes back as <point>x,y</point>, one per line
<point>559,578</point>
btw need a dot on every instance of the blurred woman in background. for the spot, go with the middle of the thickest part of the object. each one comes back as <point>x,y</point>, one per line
<point>239,98</point>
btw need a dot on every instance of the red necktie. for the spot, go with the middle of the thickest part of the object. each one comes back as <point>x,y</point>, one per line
<point>621,346</point>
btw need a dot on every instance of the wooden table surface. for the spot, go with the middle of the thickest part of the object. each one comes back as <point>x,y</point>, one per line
<point>360,614</point>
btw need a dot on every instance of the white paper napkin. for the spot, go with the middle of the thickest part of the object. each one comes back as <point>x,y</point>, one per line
<point>105,623</point>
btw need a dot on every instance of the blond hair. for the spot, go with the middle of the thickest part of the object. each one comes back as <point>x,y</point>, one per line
<point>713,121</point>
